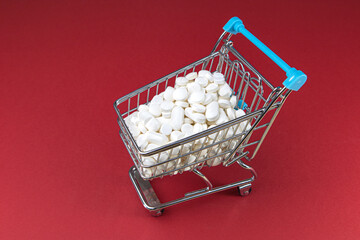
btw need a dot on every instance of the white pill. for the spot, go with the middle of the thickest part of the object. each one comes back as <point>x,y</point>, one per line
<point>142,141</point>
<point>218,78</point>
<point>166,114</point>
<point>214,96</point>
<point>239,113</point>
<point>193,87</point>
<point>187,129</point>
<point>191,76</point>
<point>148,161</point>
<point>166,106</point>
<point>157,99</point>
<point>181,81</point>
<point>135,132</point>
<point>208,98</point>
<point>141,127</point>
<point>180,94</point>
<point>230,112</point>
<point>212,111</point>
<point>196,107</point>
<point>224,103</point>
<point>176,135</point>
<point>164,120</point>
<point>198,127</point>
<point>177,117</point>
<point>198,117</point>
<point>188,111</point>
<point>155,109</point>
<point>196,97</point>
<point>135,118</point>
<point>153,125</point>
<point>182,104</point>
<point>188,120</point>
<point>203,82</point>
<point>225,91</point>
<point>222,118</point>
<point>143,107</point>
<point>229,133</point>
<point>156,138</point>
<point>168,94</point>
<point>233,101</point>
<point>212,88</point>
<point>166,129</point>
<point>205,74</point>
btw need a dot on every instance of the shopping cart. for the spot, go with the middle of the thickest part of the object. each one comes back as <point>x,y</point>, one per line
<point>259,99</point>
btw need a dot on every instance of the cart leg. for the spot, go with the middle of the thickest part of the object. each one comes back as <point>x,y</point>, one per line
<point>244,190</point>
<point>146,193</point>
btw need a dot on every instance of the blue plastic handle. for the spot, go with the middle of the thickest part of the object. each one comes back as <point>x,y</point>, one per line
<point>295,78</point>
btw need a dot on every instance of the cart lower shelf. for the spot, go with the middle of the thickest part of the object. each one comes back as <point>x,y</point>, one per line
<point>152,203</point>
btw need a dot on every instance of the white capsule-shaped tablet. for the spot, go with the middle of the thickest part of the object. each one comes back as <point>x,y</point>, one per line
<point>222,118</point>
<point>196,97</point>
<point>188,120</point>
<point>177,117</point>
<point>198,127</point>
<point>168,94</point>
<point>224,103</point>
<point>205,74</point>
<point>176,135</point>
<point>166,106</point>
<point>214,96</point>
<point>191,76</point>
<point>212,88</point>
<point>239,113</point>
<point>203,82</point>
<point>143,107</point>
<point>225,91</point>
<point>141,127</point>
<point>153,125</point>
<point>166,114</point>
<point>142,141</point>
<point>156,138</point>
<point>135,118</point>
<point>212,111</point>
<point>166,129</point>
<point>198,117</point>
<point>208,99</point>
<point>182,104</point>
<point>193,87</point>
<point>187,129</point>
<point>157,99</point>
<point>151,146</point>
<point>188,111</point>
<point>155,109</point>
<point>181,81</point>
<point>229,133</point>
<point>230,112</point>
<point>148,161</point>
<point>180,94</point>
<point>233,101</point>
<point>218,78</point>
<point>135,132</point>
<point>196,107</point>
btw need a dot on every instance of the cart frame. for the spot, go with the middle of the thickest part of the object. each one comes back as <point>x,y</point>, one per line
<point>248,134</point>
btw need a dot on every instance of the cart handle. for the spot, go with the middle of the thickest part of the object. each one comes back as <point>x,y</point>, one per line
<point>295,78</point>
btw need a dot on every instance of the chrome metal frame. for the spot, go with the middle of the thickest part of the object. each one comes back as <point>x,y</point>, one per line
<point>247,84</point>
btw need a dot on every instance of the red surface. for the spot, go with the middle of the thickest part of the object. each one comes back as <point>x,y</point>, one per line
<point>63,167</point>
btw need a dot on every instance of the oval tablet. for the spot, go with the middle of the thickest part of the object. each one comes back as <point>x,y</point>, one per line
<point>224,103</point>
<point>181,81</point>
<point>203,82</point>
<point>156,138</point>
<point>191,76</point>
<point>180,94</point>
<point>205,74</point>
<point>196,97</point>
<point>196,107</point>
<point>168,94</point>
<point>155,109</point>
<point>166,129</point>
<point>177,117</point>
<point>166,106</point>
<point>212,88</point>
<point>212,111</point>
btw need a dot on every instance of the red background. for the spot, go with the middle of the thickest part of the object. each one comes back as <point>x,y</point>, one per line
<point>63,166</point>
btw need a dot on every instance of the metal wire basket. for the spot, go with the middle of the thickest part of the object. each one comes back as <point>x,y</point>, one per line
<point>226,143</point>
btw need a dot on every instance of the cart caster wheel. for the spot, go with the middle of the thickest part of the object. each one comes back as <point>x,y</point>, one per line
<point>244,191</point>
<point>157,213</point>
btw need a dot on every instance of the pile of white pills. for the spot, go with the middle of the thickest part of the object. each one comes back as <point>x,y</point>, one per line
<point>197,102</point>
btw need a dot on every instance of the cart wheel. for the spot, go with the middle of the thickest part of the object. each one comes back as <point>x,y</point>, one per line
<point>157,213</point>
<point>244,191</point>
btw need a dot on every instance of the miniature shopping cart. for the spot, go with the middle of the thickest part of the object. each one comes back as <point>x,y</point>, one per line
<point>256,96</point>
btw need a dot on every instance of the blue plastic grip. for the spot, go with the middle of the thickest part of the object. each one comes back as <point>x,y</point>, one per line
<point>295,78</point>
